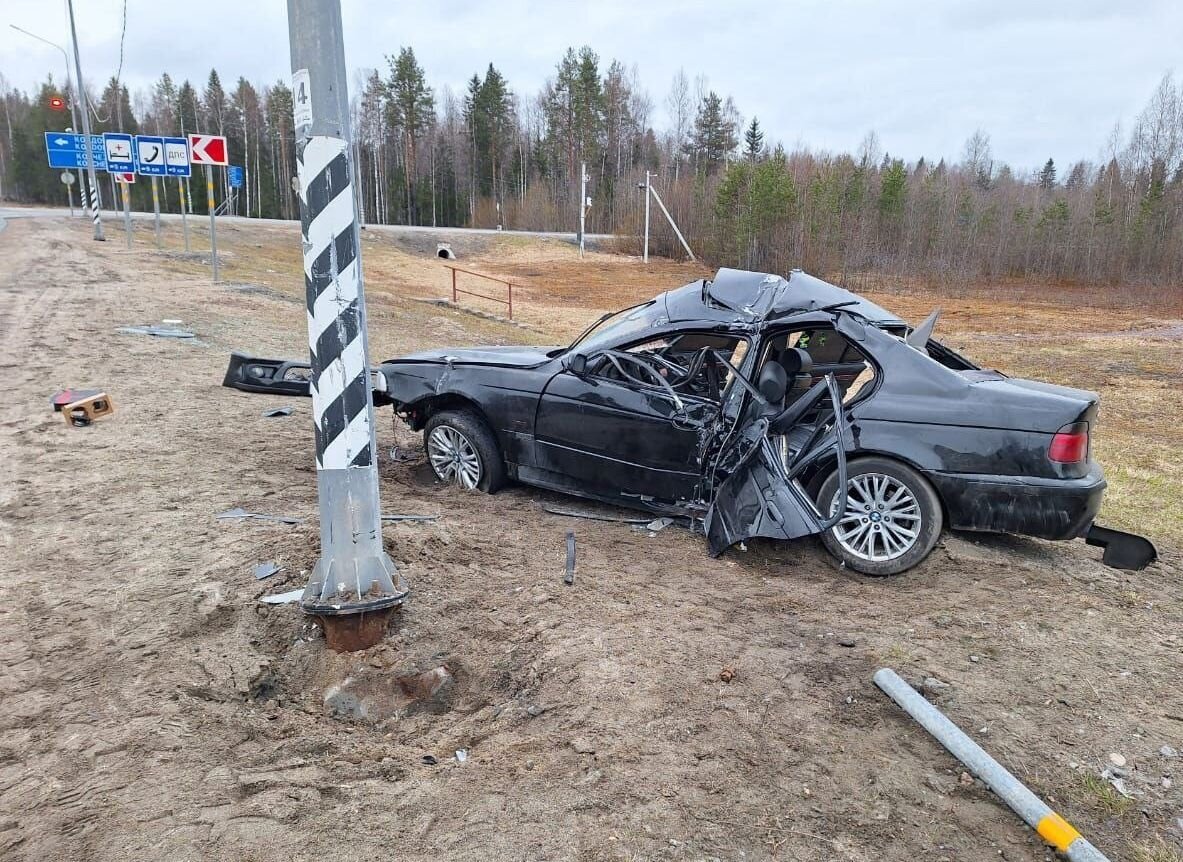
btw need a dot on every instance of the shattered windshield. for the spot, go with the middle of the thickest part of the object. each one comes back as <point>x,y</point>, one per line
<point>614,327</point>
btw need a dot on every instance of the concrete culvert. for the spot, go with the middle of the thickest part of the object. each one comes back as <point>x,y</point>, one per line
<point>444,250</point>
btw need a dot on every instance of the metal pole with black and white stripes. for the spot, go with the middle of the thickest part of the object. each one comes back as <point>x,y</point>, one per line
<point>93,195</point>
<point>354,584</point>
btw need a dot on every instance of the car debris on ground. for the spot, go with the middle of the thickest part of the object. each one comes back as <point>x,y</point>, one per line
<point>569,573</point>
<point>266,570</point>
<point>283,598</point>
<point>592,516</point>
<point>157,331</point>
<point>396,518</point>
<point>277,412</point>
<point>81,407</point>
<point>240,514</point>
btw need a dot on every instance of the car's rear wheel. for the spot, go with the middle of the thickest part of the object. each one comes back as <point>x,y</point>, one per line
<point>892,519</point>
<point>462,451</point>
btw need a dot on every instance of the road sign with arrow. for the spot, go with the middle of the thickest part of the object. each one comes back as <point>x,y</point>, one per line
<point>150,156</point>
<point>68,150</point>
<point>207,150</point>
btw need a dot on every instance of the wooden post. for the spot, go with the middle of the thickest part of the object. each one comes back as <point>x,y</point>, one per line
<point>510,300</point>
<point>453,284</point>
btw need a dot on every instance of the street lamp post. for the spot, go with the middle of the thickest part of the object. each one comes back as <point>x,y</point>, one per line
<point>94,182</point>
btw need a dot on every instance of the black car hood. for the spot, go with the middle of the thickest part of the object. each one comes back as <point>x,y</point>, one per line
<point>515,356</point>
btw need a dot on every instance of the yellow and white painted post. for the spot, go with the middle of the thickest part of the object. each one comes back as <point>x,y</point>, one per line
<point>1052,828</point>
<point>213,235</point>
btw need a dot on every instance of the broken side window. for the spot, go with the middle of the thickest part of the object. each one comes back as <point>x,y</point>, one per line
<point>831,353</point>
<point>687,362</point>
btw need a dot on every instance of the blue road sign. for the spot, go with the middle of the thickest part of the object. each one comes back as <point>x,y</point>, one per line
<point>176,156</point>
<point>150,156</point>
<point>68,150</point>
<point>234,174</point>
<point>121,157</point>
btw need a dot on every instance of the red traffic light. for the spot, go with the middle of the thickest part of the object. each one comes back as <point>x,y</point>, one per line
<point>57,103</point>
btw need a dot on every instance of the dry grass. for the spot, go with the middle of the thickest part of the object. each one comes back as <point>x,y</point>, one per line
<point>1089,338</point>
<point>1157,850</point>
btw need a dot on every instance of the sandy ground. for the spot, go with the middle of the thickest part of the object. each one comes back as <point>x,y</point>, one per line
<point>151,708</point>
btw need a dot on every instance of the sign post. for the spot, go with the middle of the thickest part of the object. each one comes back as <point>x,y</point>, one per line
<point>121,160</point>
<point>209,150</point>
<point>156,210</point>
<point>68,182</point>
<point>176,162</point>
<point>150,161</point>
<point>354,586</point>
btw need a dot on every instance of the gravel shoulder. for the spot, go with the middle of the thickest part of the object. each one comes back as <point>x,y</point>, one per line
<point>151,708</point>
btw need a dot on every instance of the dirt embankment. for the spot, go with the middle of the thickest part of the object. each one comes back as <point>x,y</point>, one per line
<point>150,708</point>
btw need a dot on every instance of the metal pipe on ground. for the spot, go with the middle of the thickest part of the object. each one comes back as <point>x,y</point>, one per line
<point>1053,828</point>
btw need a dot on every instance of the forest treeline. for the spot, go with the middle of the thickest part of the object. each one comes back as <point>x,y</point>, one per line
<point>492,155</point>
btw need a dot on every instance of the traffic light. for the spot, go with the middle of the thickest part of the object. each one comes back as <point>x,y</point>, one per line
<point>57,103</point>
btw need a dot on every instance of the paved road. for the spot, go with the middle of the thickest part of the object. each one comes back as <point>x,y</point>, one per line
<point>112,220</point>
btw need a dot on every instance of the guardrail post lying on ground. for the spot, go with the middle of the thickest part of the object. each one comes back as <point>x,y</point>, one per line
<point>354,585</point>
<point>1053,828</point>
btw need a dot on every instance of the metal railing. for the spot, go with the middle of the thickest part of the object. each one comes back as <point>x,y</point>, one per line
<point>457,290</point>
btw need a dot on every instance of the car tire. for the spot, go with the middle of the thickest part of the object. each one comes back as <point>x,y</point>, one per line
<point>897,501</point>
<point>464,433</point>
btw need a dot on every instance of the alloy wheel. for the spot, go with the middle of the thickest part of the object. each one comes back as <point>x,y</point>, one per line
<point>453,457</point>
<point>882,518</point>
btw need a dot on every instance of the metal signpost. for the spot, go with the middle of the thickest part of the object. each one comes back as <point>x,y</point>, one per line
<point>354,586</point>
<point>176,164</point>
<point>209,150</point>
<point>151,163</point>
<point>121,159</point>
<point>68,182</point>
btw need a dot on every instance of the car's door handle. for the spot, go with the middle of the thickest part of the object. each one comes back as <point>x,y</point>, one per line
<point>684,422</point>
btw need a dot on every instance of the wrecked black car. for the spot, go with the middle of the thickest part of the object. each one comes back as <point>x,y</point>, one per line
<point>761,406</point>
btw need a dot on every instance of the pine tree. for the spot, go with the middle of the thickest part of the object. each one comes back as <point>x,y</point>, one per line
<point>187,109</point>
<point>215,107</point>
<point>753,140</point>
<point>412,111</point>
<point>713,138</point>
<point>1047,176</point>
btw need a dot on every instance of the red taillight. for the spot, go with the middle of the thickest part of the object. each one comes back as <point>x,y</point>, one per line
<point>1070,445</point>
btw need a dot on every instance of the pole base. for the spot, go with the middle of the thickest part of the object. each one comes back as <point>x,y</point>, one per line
<point>353,632</point>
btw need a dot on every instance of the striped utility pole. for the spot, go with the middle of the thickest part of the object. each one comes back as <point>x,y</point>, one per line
<point>97,200</point>
<point>354,585</point>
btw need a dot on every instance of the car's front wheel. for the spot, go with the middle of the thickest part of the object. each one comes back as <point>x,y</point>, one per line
<point>462,451</point>
<point>892,518</point>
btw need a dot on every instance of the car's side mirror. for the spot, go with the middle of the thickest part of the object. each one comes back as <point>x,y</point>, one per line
<point>577,363</point>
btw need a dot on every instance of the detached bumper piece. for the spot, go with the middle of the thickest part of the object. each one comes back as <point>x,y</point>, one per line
<point>1122,550</point>
<point>270,376</point>
<point>285,377</point>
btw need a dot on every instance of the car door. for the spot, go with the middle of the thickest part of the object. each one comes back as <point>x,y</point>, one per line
<point>761,493</point>
<point>622,436</point>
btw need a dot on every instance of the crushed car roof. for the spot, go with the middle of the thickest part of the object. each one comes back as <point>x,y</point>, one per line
<point>760,295</point>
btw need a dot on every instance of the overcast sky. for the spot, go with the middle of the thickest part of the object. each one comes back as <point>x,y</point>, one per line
<point>1042,77</point>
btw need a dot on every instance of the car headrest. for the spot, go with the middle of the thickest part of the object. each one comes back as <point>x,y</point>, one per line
<point>773,382</point>
<point>796,360</point>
